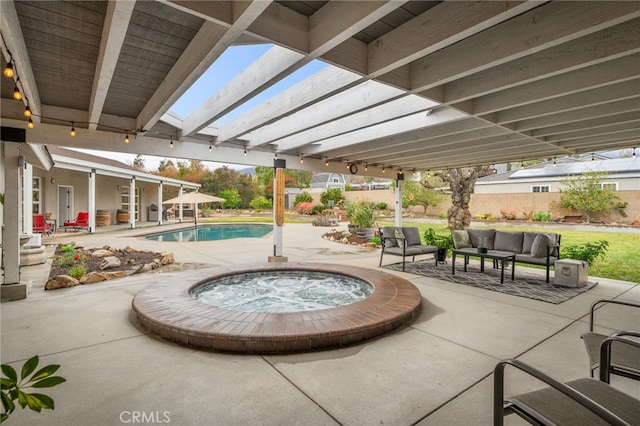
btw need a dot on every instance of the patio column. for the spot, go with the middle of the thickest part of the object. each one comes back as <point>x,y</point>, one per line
<point>132,203</point>
<point>13,163</point>
<point>180,205</point>
<point>92,201</point>
<point>398,210</point>
<point>159,203</point>
<point>278,210</point>
<point>27,198</point>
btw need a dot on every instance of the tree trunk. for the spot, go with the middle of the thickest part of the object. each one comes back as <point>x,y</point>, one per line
<point>461,182</point>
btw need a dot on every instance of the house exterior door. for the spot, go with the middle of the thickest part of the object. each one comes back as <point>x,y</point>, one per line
<point>65,204</point>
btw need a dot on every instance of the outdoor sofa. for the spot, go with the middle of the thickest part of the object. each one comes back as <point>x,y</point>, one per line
<point>536,248</point>
<point>404,241</point>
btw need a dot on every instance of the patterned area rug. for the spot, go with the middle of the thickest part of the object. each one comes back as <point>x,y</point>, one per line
<point>525,285</point>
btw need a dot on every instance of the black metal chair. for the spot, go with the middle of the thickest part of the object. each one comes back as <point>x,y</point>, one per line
<point>617,349</point>
<point>578,402</point>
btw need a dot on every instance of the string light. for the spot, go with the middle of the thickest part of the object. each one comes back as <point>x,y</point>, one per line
<point>634,154</point>
<point>171,143</point>
<point>555,164</point>
<point>73,130</point>
<point>27,111</point>
<point>210,147</point>
<point>326,162</point>
<point>245,152</point>
<point>126,137</point>
<point>593,157</point>
<point>30,124</point>
<point>366,166</point>
<point>8,70</point>
<point>275,157</point>
<point>383,171</point>
<point>16,93</point>
<point>301,159</point>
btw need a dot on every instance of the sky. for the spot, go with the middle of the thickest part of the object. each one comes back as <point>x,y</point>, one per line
<point>231,63</point>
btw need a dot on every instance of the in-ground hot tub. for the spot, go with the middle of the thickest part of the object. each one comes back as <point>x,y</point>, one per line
<point>169,310</point>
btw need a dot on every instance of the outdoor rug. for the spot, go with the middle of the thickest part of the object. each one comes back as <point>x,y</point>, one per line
<point>525,285</point>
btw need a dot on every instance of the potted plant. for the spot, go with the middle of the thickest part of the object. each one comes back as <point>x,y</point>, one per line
<point>443,242</point>
<point>205,211</point>
<point>360,214</point>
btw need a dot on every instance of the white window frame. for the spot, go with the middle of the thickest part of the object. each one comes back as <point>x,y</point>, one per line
<point>540,188</point>
<point>124,195</point>
<point>614,185</point>
<point>36,197</point>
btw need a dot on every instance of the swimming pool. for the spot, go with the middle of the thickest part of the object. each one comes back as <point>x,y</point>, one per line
<point>213,233</point>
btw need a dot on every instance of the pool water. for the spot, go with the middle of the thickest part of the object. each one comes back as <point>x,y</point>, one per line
<point>213,233</point>
<point>282,291</point>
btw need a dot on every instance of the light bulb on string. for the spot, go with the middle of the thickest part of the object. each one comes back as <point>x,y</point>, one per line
<point>16,93</point>
<point>27,111</point>
<point>126,137</point>
<point>171,143</point>
<point>301,159</point>
<point>634,154</point>
<point>8,70</point>
<point>326,162</point>
<point>30,124</point>
<point>245,152</point>
<point>73,130</point>
<point>210,147</point>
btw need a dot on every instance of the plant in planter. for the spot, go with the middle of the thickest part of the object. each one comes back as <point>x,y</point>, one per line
<point>361,215</point>
<point>587,252</point>
<point>443,242</point>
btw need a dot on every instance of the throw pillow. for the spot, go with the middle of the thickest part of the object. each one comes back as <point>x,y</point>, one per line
<point>482,237</point>
<point>539,246</point>
<point>460,238</point>
<point>389,233</point>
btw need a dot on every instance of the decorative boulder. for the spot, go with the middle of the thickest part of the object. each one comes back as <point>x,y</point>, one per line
<point>167,258</point>
<point>102,253</point>
<point>96,277</point>
<point>61,281</point>
<point>110,262</point>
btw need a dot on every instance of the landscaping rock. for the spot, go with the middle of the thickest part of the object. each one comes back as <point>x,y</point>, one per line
<point>166,258</point>
<point>102,253</point>
<point>61,281</point>
<point>110,262</point>
<point>96,277</point>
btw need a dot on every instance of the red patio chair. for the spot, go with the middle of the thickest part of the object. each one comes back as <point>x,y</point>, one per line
<point>39,225</point>
<point>82,221</point>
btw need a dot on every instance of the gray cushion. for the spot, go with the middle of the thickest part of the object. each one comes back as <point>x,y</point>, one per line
<point>460,238</point>
<point>508,241</point>
<point>412,235</point>
<point>408,251</point>
<point>481,237</point>
<point>527,258</point>
<point>528,241</point>
<point>539,246</point>
<point>388,232</point>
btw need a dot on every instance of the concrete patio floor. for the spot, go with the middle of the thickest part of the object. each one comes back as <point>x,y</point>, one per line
<point>436,371</point>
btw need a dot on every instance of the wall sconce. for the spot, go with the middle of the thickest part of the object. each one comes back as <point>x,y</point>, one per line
<point>118,187</point>
<point>53,180</point>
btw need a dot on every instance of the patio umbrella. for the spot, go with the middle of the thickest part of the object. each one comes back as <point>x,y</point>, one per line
<point>194,198</point>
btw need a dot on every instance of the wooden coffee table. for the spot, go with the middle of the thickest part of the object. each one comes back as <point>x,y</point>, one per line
<point>501,256</point>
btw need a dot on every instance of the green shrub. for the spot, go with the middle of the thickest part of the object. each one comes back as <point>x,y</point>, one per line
<point>360,214</point>
<point>303,197</point>
<point>78,271</point>
<point>587,252</point>
<point>332,194</point>
<point>381,206</point>
<point>67,248</point>
<point>376,240</point>
<point>261,203</point>
<point>431,238</point>
<point>319,209</point>
<point>542,216</point>
<point>442,216</point>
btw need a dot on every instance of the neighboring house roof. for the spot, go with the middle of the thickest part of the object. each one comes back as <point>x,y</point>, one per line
<point>80,161</point>
<point>561,169</point>
<point>325,177</point>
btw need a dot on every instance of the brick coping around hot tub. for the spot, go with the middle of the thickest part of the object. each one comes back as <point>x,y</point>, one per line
<point>168,310</point>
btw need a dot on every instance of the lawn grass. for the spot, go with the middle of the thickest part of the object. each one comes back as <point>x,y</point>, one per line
<point>621,262</point>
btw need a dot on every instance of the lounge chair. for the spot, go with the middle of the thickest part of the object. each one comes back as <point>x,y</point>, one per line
<point>583,401</point>
<point>617,349</point>
<point>39,224</point>
<point>82,221</point>
<point>404,242</point>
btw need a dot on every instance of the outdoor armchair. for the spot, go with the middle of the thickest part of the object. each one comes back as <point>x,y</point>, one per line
<point>39,224</point>
<point>82,221</point>
<point>583,401</point>
<point>404,241</point>
<point>619,350</point>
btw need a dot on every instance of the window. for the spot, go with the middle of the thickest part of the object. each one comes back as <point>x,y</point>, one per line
<point>610,186</point>
<point>136,201</point>
<point>37,195</point>
<point>540,188</point>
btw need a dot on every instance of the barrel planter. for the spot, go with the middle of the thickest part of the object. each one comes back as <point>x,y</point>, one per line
<point>122,216</point>
<point>103,218</point>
